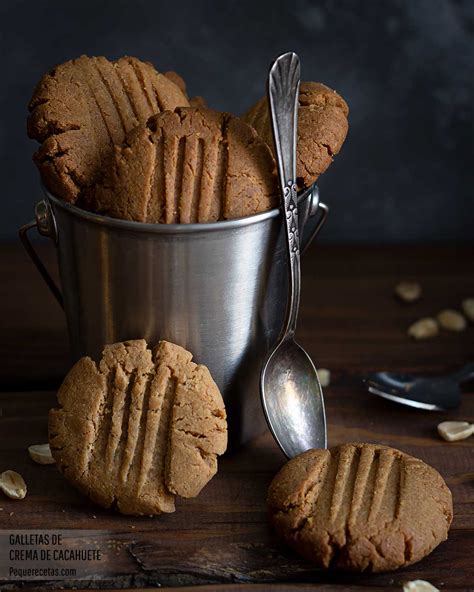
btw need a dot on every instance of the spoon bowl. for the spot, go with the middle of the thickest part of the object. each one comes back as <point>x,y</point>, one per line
<point>294,407</point>
<point>434,393</point>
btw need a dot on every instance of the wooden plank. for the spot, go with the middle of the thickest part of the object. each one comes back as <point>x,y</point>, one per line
<point>286,587</point>
<point>350,323</point>
<point>34,347</point>
<point>222,536</point>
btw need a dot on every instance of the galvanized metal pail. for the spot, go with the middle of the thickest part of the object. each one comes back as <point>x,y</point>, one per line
<point>217,289</point>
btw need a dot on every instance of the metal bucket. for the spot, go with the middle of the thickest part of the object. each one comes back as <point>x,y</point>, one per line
<point>217,289</point>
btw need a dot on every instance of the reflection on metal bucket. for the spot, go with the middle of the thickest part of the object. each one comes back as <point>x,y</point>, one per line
<point>217,289</point>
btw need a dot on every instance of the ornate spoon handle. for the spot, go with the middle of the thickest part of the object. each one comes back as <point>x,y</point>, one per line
<point>283,92</point>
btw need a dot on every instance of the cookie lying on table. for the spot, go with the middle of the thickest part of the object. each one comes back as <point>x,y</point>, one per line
<point>139,428</point>
<point>190,165</point>
<point>84,107</point>
<point>360,507</point>
<point>322,129</point>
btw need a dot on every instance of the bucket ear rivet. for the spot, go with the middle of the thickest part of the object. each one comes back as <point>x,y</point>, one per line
<point>44,220</point>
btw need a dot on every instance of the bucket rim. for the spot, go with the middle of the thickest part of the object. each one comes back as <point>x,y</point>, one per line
<point>181,228</point>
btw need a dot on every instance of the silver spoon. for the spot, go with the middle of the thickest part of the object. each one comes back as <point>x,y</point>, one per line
<point>435,393</point>
<point>291,394</point>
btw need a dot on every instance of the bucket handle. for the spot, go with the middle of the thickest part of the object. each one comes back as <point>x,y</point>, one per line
<point>311,207</point>
<point>46,226</point>
<point>323,211</point>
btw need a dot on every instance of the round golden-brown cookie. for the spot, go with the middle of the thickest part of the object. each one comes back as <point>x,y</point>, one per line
<point>139,428</point>
<point>360,507</point>
<point>322,129</point>
<point>84,107</point>
<point>190,165</point>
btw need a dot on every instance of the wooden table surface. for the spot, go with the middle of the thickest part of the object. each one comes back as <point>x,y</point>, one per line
<point>351,323</point>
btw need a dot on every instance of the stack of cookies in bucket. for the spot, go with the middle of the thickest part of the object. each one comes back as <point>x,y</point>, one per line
<point>121,139</point>
<point>146,424</point>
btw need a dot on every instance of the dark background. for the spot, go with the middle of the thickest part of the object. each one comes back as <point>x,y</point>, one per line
<point>405,67</point>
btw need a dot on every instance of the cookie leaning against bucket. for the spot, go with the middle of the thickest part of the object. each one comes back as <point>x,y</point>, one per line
<point>322,129</point>
<point>360,507</point>
<point>190,165</point>
<point>84,107</point>
<point>139,428</point>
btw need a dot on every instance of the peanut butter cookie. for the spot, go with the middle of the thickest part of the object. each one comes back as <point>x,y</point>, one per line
<point>190,165</point>
<point>139,428</point>
<point>322,129</point>
<point>84,107</point>
<point>360,507</point>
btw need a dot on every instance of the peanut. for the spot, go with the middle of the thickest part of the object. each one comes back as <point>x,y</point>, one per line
<point>468,308</point>
<point>408,291</point>
<point>455,430</point>
<point>13,485</point>
<point>419,586</point>
<point>41,454</point>
<point>451,320</point>
<point>424,328</point>
<point>324,376</point>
